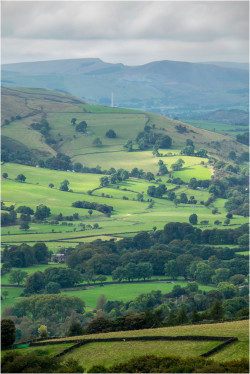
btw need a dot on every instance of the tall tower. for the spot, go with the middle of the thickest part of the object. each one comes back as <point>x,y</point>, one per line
<point>112,100</point>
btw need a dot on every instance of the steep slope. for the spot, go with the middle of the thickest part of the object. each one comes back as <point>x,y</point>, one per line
<point>161,86</point>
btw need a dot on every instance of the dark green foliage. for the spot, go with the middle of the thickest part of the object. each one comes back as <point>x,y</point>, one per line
<point>145,139</point>
<point>24,255</point>
<point>81,127</point>
<point>99,325</point>
<point>157,191</point>
<point>65,277</point>
<point>110,134</point>
<point>75,329</point>
<point>8,218</point>
<point>193,219</point>
<point>20,178</point>
<point>60,162</point>
<point>41,253</point>
<point>14,362</point>
<point>35,282</point>
<point>7,333</point>
<point>17,276</point>
<point>52,288</point>
<point>243,138</point>
<point>103,208</point>
<point>54,308</point>
<point>216,311</point>
<point>174,364</point>
<point>25,210</point>
<point>97,142</point>
<point>64,185</point>
<point>24,226</point>
<point>182,317</point>
<point>42,212</point>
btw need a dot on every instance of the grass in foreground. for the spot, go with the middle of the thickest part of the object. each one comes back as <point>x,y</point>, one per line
<point>235,351</point>
<point>111,353</point>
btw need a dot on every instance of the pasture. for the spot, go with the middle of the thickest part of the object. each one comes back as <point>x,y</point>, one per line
<point>238,350</point>
<point>125,291</point>
<point>128,216</point>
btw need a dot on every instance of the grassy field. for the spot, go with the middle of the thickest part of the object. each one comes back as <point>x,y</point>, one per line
<point>125,291</point>
<point>129,216</point>
<point>92,354</point>
<point>111,353</point>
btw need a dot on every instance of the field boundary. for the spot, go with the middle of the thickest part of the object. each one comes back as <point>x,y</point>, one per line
<point>79,342</point>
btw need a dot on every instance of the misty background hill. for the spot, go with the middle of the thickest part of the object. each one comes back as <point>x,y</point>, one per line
<point>170,88</point>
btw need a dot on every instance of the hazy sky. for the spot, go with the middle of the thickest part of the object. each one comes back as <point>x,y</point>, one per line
<point>131,32</point>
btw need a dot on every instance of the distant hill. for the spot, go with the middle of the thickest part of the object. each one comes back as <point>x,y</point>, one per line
<point>165,87</point>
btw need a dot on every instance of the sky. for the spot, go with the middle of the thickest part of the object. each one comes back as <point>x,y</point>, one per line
<point>130,32</point>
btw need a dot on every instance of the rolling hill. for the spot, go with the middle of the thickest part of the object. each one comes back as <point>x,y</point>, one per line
<point>22,107</point>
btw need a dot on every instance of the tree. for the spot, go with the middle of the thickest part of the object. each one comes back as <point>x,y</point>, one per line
<point>73,121</point>
<point>5,294</point>
<point>75,329</point>
<point>221,275</point>
<point>7,333</point>
<point>5,175</point>
<point>97,142</point>
<point>216,312</point>
<point>24,226</point>
<point>144,270</point>
<point>182,317</point>
<point>52,288</point>
<point>42,212</point>
<point>195,316</point>
<point>20,178</point>
<point>81,127</point>
<point>43,331</point>
<point>90,212</point>
<point>193,219</point>
<point>110,134</point>
<point>129,146</point>
<point>227,289</point>
<point>64,185</point>
<point>35,282</point>
<point>101,302</point>
<point>171,269</point>
<point>41,253</point>
<point>51,185</point>
<point>203,273</point>
<point>17,276</point>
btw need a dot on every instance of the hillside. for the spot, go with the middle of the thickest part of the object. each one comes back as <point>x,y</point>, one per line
<point>23,106</point>
<point>110,353</point>
<point>161,86</point>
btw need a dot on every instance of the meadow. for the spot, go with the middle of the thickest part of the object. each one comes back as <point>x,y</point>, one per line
<point>126,291</point>
<point>128,217</point>
<point>109,353</point>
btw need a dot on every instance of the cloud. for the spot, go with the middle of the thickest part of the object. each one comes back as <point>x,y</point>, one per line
<point>129,32</point>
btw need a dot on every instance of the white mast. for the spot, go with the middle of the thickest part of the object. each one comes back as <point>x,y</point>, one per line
<point>112,100</point>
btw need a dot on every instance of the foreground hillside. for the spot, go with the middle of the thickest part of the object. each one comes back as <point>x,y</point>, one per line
<point>110,353</point>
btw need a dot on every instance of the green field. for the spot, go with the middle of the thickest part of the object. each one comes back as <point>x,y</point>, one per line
<point>129,216</point>
<point>125,291</point>
<point>111,353</point>
<point>92,354</point>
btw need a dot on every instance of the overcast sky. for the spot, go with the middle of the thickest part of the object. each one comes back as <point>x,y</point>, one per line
<point>131,32</point>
